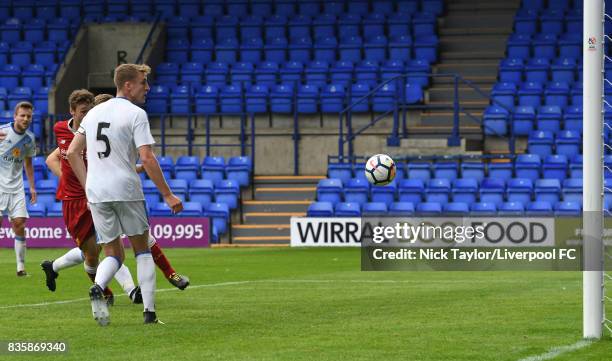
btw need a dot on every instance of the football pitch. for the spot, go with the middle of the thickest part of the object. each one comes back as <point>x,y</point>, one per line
<point>303,304</point>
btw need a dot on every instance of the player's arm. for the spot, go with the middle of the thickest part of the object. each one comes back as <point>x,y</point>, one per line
<point>151,166</point>
<point>77,146</point>
<point>53,162</point>
<point>29,168</point>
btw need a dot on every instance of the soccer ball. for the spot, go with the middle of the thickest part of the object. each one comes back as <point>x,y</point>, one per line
<point>380,170</point>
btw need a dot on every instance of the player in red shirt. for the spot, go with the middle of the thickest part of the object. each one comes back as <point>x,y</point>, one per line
<point>77,216</point>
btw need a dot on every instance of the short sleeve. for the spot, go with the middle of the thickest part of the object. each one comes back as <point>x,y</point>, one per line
<point>142,130</point>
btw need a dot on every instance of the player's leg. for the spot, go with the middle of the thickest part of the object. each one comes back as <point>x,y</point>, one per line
<point>135,225</point>
<point>18,225</point>
<point>179,281</point>
<point>108,230</point>
<point>18,213</point>
<point>52,267</point>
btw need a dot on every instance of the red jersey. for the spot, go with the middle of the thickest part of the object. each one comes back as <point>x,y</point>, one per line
<point>69,187</point>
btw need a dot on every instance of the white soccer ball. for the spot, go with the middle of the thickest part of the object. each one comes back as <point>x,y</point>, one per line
<point>380,169</point>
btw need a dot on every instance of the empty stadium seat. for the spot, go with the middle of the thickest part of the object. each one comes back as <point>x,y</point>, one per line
<point>344,209</point>
<point>357,190</point>
<point>320,209</point>
<point>186,168</point>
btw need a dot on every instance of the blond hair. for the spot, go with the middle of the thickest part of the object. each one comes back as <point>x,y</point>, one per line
<point>129,72</point>
<point>101,98</point>
<point>24,105</point>
<point>80,96</point>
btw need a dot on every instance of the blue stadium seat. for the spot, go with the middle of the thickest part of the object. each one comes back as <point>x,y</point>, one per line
<point>536,70</point>
<point>281,98</point>
<point>382,7</point>
<point>495,119</point>
<point>38,209</point>
<point>350,48</point>
<point>435,7</point>
<point>167,166</point>
<point>239,169</point>
<point>342,73</point>
<point>186,168</point>
<point>357,190</point>
<point>251,50</point>
<point>572,118</point>
<point>366,72</point>
<point>237,7</point>
<point>308,99</point>
<point>518,47</point>
<point>220,214</point>
<point>332,98</point>
<point>359,7</point>
<point>528,166</point>
<point>158,99</point>
<point>227,28</point>
<point>19,94</point>
<point>344,209</point>
<point>34,30</point>
<point>357,100</point>
<point>555,166</point>
<point>320,209</point>
<point>202,49</point>
<point>179,186</point>
<point>549,118</point>
<point>573,23</point>
<point>492,190</point>
<point>266,73</point>
<point>519,190</point>
<point>191,73</point>
<point>419,171</point>
<point>385,194</point>
<point>349,24</point>
<point>511,70</point>
<point>504,94</point>
<point>414,93</point>
<point>9,76</point>
<point>206,99</point>
<point>568,143</point>
<point>539,209</point>
<point>55,210</point>
<point>231,99</point>
<point>285,7</point>
<point>375,47</point>
<point>44,53</point>
<point>569,44</point>
<point>300,49</point>
<point>325,49</point>
<point>241,74</point>
<point>373,24</point>
<point>329,190</point>
<point>291,72</point>
<point>540,142</point>
<point>551,21</point>
<point>227,191</point>
<point>202,28</point>
<point>342,171</point>
<point>445,169</point>
<point>201,191</point>
<point>575,166</point>
<point>464,190</point>
<point>557,94</point>
<point>11,30</point>
<point>226,50</point>
<point>511,209</point>
<point>418,70</point>
<point>401,209</point>
<point>426,209</point>
<point>524,118</point>
<point>567,209</point>
<point>180,99</point>
<point>423,24</point>
<point>187,8</point>
<point>400,48</point>
<point>252,27</point>
<point>275,26</point>
<point>213,168</point>
<point>333,7</point>
<point>191,209</point>
<point>275,49</point>
<point>425,47</point>
<point>572,190</point>
<point>324,25</point>
<point>530,94</point>
<point>392,69</point>
<point>46,189</point>
<point>482,209</point>
<point>257,99</point>
<point>167,74</point>
<point>526,21</point>
<point>544,45</point>
<point>261,7</point>
<point>563,70</point>
<point>178,28</point>
<point>411,190</point>
<point>58,29</point>
<point>374,209</point>
<point>398,25</point>
<point>438,190</point>
<point>384,99</point>
<point>40,168</point>
<point>33,76</point>
<point>547,190</point>
<point>456,209</point>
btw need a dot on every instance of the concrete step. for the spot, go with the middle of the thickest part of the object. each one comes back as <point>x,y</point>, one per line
<point>479,80</point>
<point>262,192</point>
<point>455,6</point>
<point>446,119</point>
<point>261,240</point>
<point>259,180</point>
<point>472,55</point>
<point>475,31</point>
<point>473,43</point>
<point>441,93</point>
<point>479,18</point>
<point>260,230</point>
<point>484,68</point>
<point>470,105</point>
<point>271,217</point>
<point>275,206</point>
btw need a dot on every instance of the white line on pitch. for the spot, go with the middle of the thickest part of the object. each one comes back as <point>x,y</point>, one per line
<point>557,351</point>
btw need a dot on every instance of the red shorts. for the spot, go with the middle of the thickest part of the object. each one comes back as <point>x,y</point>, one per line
<point>78,220</point>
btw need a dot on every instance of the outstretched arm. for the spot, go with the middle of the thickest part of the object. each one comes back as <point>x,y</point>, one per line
<point>53,162</point>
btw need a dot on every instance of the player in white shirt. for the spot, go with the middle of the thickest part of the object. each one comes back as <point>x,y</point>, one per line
<point>116,133</point>
<point>17,147</point>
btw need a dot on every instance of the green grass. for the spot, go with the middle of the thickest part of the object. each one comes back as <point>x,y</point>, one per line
<point>304,304</point>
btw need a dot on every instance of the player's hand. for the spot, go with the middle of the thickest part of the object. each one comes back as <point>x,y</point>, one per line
<point>2,136</point>
<point>174,203</point>
<point>33,196</point>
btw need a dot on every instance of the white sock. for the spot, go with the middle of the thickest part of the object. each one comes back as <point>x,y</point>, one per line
<point>124,277</point>
<point>69,259</point>
<point>146,278</point>
<point>106,270</point>
<point>20,251</point>
<point>90,269</point>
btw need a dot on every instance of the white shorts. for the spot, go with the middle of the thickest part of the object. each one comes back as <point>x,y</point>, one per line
<point>113,219</point>
<point>13,204</point>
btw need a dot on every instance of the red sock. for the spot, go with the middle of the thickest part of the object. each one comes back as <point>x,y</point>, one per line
<point>161,261</point>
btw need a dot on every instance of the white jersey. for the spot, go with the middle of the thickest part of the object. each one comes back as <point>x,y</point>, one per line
<point>114,130</point>
<point>13,150</point>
